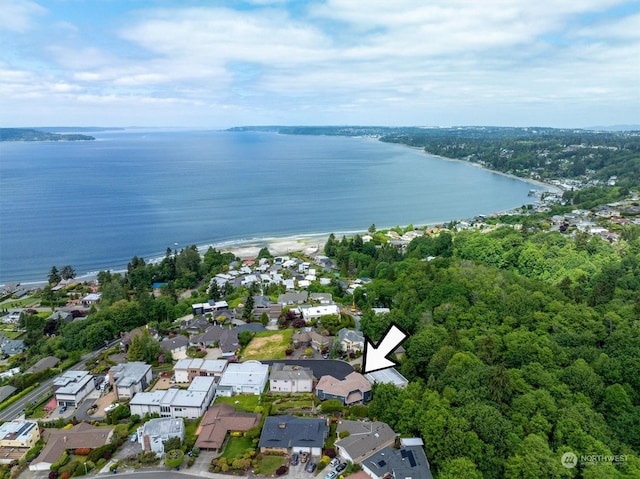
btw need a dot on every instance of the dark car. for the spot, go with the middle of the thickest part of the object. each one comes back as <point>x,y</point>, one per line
<point>294,459</point>
<point>311,467</point>
<point>341,467</point>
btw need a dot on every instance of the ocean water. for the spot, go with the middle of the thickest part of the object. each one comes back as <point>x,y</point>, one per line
<point>96,204</point>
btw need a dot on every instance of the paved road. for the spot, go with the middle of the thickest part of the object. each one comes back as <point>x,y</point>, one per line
<point>16,409</point>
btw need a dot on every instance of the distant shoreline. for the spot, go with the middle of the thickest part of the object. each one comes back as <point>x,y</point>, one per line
<point>281,245</point>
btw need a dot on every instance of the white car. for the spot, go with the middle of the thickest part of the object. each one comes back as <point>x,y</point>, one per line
<point>334,462</point>
<point>110,407</point>
<point>331,475</point>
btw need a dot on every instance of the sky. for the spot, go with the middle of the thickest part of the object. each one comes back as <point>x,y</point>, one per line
<point>216,64</point>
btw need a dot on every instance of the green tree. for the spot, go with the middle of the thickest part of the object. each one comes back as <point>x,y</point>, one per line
<point>54,276</point>
<point>144,347</point>
<point>172,444</point>
<point>245,337</point>
<point>247,311</point>
<point>68,272</point>
<point>459,468</point>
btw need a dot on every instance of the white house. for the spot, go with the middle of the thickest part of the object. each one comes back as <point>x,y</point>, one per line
<point>154,433</point>
<point>71,387</point>
<point>249,377</point>
<point>310,313</point>
<point>187,369</point>
<point>188,403</point>
<point>290,379</point>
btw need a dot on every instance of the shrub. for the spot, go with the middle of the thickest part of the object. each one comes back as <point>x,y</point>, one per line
<point>174,458</point>
<point>82,451</point>
<point>329,452</point>
<point>282,470</point>
<point>343,434</point>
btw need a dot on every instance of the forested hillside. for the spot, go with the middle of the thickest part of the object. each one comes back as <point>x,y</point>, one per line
<point>523,346</point>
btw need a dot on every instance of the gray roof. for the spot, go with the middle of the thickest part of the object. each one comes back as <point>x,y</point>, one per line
<point>70,382</point>
<point>6,392</point>
<point>177,342</point>
<point>226,338</point>
<point>129,374</point>
<point>387,376</point>
<point>290,372</point>
<point>364,437</point>
<point>404,463</point>
<point>350,335</point>
<point>293,298</point>
<point>13,346</point>
<point>45,363</point>
<point>164,427</point>
<point>283,432</point>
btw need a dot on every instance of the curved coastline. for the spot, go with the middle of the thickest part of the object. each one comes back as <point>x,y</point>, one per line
<point>281,245</point>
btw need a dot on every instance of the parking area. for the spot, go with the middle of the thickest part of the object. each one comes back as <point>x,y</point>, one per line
<point>299,471</point>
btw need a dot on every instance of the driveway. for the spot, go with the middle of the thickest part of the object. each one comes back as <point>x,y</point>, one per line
<point>299,471</point>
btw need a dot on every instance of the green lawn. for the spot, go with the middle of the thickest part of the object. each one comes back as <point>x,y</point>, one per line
<point>268,464</point>
<point>236,447</point>
<point>292,404</point>
<point>11,333</point>
<point>243,402</point>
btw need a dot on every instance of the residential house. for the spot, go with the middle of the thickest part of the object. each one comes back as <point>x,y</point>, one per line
<point>350,340</point>
<point>130,378</point>
<point>387,376</point>
<point>187,403</point>
<point>301,339</point>
<point>294,297</point>
<point>195,325</point>
<point>310,313</point>
<point>185,370</point>
<point>286,434</point>
<point>11,347</point>
<point>16,438</point>
<point>290,379</point>
<point>82,435</point>
<point>249,377</point>
<point>364,439</point>
<point>154,433</point>
<point>175,344</point>
<point>47,362</point>
<point>320,342</point>
<point>62,316</point>
<point>408,462</point>
<point>6,392</point>
<point>322,298</point>
<point>91,298</point>
<point>354,389</point>
<point>224,338</point>
<point>71,387</point>
<point>221,420</point>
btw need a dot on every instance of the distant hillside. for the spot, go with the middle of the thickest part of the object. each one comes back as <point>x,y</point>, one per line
<point>28,134</point>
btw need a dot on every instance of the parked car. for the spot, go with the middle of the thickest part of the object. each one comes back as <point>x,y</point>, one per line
<point>311,467</point>
<point>304,457</point>
<point>331,475</point>
<point>294,459</point>
<point>334,462</point>
<point>134,437</point>
<point>63,409</point>
<point>341,467</point>
<point>110,407</point>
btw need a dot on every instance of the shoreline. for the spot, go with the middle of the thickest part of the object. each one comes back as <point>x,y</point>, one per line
<point>282,245</point>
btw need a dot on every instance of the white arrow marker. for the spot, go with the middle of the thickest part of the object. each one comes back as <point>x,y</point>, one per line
<point>375,357</point>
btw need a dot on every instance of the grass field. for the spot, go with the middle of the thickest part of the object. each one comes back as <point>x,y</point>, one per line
<point>243,402</point>
<point>268,464</point>
<point>292,404</point>
<point>236,447</point>
<point>268,345</point>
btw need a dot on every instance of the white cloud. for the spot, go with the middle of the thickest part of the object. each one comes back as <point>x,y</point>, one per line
<point>19,15</point>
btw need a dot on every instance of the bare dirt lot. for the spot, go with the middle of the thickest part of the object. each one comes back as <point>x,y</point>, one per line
<point>267,347</point>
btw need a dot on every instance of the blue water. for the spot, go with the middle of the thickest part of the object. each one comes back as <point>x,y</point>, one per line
<point>95,205</point>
